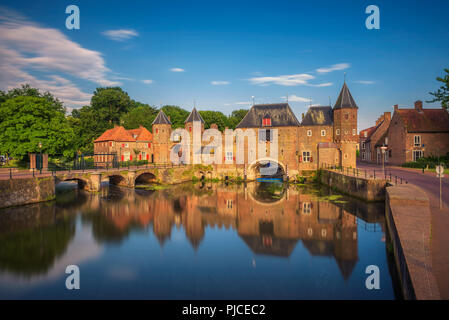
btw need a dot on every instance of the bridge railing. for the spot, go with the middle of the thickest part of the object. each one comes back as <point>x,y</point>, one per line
<point>378,174</point>
<point>16,173</point>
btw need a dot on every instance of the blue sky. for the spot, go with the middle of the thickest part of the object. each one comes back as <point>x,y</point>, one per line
<point>229,51</point>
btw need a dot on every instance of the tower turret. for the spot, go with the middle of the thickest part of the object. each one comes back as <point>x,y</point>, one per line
<point>161,138</point>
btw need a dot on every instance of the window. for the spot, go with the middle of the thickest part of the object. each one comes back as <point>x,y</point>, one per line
<point>338,132</point>
<point>177,138</point>
<point>229,156</point>
<point>268,133</point>
<point>363,145</point>
<point>365,134</point>
<point>353,132</point>
<point>386,141</point>
<point>266,121</point>
<point>306,156</point>
<point>323,133</point>
<point>267,136</point>
<point>346,116</point>
<point>417,140</point>
<point>309,133</point>
<point>157,130</point>
<point>306,208</point>
<point>149,144</point>
<point>417,154</point>
<point>229,204</point>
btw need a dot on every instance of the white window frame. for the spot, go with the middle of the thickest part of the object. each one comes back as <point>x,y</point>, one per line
<point>323,133</point>
<point>420,154</point>
<point>229,156</point>
<point>309,133</point>
<point>337,132</point>
<point>306,208</point>
<point>354,132</point>
<point>415,143</point>
<point>306,155</point>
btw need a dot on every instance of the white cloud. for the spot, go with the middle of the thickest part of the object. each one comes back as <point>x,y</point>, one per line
<point>147,81</point>
<point>283,80</point>
<point>295,98</point>
<point>325,84</point>
<point>364,81</point>
<point>218,83</point>
<point>177,70</point>
<point>335,67</point>
<point>27,47</point>
<point>120,34</point>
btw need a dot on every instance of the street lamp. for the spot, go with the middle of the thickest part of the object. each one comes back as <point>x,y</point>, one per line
<point>384,149</point>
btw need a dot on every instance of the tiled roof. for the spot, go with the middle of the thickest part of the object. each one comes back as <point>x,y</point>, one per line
<point>161,118</point>
<point>427,120</point>
<point>345,99</point>
<point>280,113</point>
<point>115,134</point>
<point>318,116</point>
<point>194,116</point>
<point>121,134</point>
<point>141,134</point>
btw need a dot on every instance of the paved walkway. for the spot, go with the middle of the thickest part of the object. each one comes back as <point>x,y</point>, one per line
<point>440,217</point>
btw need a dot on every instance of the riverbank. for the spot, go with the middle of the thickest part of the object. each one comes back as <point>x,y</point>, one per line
<point>25,191</point>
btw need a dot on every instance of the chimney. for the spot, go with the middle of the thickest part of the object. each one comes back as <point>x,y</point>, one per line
<point>396,107</point>
<point>418,105</point>
<point>387,116</point>
<point>379,120</point>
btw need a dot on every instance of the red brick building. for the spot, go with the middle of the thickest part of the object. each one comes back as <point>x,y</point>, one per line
<point>372,139</point>
<point>416,133</point>
<point>119,144</point>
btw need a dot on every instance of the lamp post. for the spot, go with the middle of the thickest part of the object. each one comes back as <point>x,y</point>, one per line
<point>40,157</point>
<point>384,149</point>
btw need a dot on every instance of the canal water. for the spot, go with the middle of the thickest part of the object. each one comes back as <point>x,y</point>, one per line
<point>260,240</point>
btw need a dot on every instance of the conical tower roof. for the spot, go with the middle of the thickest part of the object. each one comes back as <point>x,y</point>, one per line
<point>161,118</point>
<point>194,116</point>
<point>345,99</point>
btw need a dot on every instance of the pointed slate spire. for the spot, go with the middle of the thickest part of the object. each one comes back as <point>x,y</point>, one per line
<point>345,99</point>
<point>161,118</point>
<point>194,116</point>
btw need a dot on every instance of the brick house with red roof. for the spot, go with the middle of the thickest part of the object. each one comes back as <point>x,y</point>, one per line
<point>124,145</point>
<point>416,133</point>
<point>372,139</point>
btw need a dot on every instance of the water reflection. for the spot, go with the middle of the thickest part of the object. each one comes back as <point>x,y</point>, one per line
<point>269,218</point>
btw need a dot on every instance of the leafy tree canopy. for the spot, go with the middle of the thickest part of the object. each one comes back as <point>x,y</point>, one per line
<point>216,117</point>
<point>141,115</point>
<point>177,115</point>
<point>27,120</point>
<point>235,117</point>
<point>442,94</point>
<point>110,104</point>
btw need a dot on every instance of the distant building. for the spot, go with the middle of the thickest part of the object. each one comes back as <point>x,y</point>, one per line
<point>416,133</point>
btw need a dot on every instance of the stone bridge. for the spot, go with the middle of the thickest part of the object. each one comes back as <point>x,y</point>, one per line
<point>91,180</point>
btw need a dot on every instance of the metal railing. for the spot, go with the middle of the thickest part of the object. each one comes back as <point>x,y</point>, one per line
<point>378,174</point>
<point>16,173</point>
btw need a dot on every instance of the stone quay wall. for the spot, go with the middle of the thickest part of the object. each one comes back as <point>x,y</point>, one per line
<point>17,192</point>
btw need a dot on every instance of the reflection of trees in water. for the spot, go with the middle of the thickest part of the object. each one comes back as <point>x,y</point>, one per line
<point>33,237</point>
<point>269,191</point>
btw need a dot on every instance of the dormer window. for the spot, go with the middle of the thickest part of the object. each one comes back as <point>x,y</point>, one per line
<point>266,121</point>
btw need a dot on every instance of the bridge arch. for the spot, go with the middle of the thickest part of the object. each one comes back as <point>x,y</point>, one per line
<point>82,183</point>
<point>145,178</point>
<point>272,168</point>
<point>117,179</point>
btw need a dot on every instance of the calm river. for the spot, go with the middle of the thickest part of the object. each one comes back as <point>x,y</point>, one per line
<point>196,241</point>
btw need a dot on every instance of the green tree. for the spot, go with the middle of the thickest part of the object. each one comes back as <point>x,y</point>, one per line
<point>141,115</point>
<point>110,104</point>
<point>86,128</point>
<point>27,120</point>
<point>442,94</point>
<point>177,115</point>
<point>235,117</point>
<point>216,117</point>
